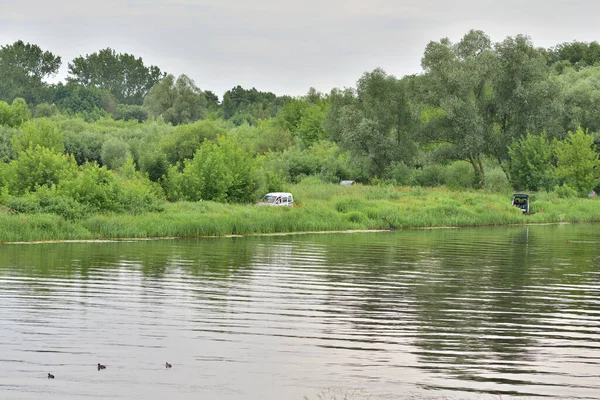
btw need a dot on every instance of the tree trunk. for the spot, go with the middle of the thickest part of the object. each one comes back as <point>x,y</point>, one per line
<point>478,168</point>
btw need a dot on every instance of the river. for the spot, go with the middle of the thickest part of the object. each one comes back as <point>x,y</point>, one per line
<point>498,313</point>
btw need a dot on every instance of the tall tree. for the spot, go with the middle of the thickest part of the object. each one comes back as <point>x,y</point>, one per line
<point>122,74</point>
<point>23,68</point>
<point>177,101</point>
<point>457,92</point>
<point>578,162</point>
<point>373,121</point>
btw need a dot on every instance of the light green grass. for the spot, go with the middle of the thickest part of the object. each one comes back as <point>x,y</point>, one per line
<point>319,207</point>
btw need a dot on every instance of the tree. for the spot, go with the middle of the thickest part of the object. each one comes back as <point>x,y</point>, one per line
<point>38,166</point>
<point>457,93</point>
<point>578,163</point>
<point>85,101</point>
<point>123,75</point>
<point>525,99</point>
<point>374,121</point>
<point>38,133</point>
<point>581,91</point>
<point>23,68</point>
<point>114,153</point>
<point>531,163</point>
<point>177,101</point>
<point>15,114</point>
<point>186,139</point>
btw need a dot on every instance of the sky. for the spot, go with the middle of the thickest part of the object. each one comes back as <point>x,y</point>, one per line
<point>283,46</point>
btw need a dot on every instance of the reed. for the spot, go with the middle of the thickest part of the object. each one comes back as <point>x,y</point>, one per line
<point>319,207</point>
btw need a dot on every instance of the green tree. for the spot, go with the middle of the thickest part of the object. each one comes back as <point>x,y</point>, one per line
<point>89,102</point>
<point>578,163</point>
<point>457,91</point>
<point>38,166</point>
<point>123,75</point>
<point>23,70</point>
<point>581,89</point>
<point>525,99</point>
<point>186,139</point>
<point>177,101</point>
<point>38,133</point>
<point>531,163</point>
<point>15,114</point>
<point>374,121</point>
<point>114,153</point>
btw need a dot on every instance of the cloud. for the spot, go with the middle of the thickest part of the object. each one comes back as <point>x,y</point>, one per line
<point>283,46</point>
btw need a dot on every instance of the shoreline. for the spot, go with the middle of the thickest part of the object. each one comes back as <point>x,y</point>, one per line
<point>320,209</point>
<point>329,232</point>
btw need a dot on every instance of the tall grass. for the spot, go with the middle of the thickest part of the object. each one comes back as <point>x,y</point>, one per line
<point>319,207</point>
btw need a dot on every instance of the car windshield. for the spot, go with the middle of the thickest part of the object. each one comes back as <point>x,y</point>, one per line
<point>268,199</point>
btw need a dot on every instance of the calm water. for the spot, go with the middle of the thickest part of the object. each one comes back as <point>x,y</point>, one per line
<point>472,313</point>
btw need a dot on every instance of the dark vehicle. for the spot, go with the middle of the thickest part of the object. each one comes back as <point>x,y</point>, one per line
<point>521,201</point>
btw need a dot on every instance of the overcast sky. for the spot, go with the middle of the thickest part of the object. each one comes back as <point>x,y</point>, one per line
<point>283,46</point>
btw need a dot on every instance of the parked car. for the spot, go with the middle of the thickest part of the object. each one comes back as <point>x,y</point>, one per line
<point>277,199</point>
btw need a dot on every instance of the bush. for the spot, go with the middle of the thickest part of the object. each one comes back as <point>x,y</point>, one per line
<point>115,152</point>
<point>130,112</point>
<point>431,175</point>
<point>402,174</point>
<point>496,181</point>
<point>565,191</point>
<point>460,175</point>
<point>38,167</point>
<point>45,110</point>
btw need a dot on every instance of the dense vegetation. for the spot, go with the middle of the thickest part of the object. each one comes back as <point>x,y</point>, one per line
<point>122,137</point>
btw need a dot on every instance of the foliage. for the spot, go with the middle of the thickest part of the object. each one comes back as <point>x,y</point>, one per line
<point>123,75</point>
<point>129,112</point>
<point>114,153</point>
<point>38,166</point>
<point>38,133</point>
<point>15,114</point>
<point>531,163</point>
<point>89,102</point>
<point>578,163</point>
<point>220,171</point>
<point>183,142</point>
<point>459,176</point>
<point>250,105</point>
<point>23,68</point>
<point>374,121</point>
<point>177,101</point>
<point>496,181</point>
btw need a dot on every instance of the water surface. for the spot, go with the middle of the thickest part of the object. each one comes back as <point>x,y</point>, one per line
<point>470,313</point>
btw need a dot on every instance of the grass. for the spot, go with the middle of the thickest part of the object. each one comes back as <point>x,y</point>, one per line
<point>319,207</point>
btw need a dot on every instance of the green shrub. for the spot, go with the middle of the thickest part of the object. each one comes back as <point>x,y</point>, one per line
<point>115,152</point>
<point>496,181</point>
<point>402,174</point>
<point>565,191</point>
<point>431,175</point>
<point>460,175</point>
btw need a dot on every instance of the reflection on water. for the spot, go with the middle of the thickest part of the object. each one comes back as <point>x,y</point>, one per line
<point>471,313</point>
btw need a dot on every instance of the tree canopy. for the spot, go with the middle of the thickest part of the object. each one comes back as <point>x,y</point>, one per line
<point>122,74</point>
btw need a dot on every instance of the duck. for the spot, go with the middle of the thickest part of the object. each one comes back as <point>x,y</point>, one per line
<point>50,376</point>
<point>167,365</point>
<point>100,366</point>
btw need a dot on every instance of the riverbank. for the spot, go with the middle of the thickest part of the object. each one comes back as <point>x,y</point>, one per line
<point>319,207</point>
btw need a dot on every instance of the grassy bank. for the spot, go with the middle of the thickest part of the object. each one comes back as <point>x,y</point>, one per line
<point>319,207</point>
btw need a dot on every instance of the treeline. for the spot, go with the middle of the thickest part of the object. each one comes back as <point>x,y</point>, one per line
<point>121,136</point>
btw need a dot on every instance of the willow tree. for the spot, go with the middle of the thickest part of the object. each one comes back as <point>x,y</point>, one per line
<point>457,96</point>
<point>373,121</point>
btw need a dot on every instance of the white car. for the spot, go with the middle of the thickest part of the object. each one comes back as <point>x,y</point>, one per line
<point>277,199</point>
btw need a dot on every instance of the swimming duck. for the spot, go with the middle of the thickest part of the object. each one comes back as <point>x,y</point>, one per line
<point>167,365</point>
<point>100,366</point>
<point>50,376</point>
